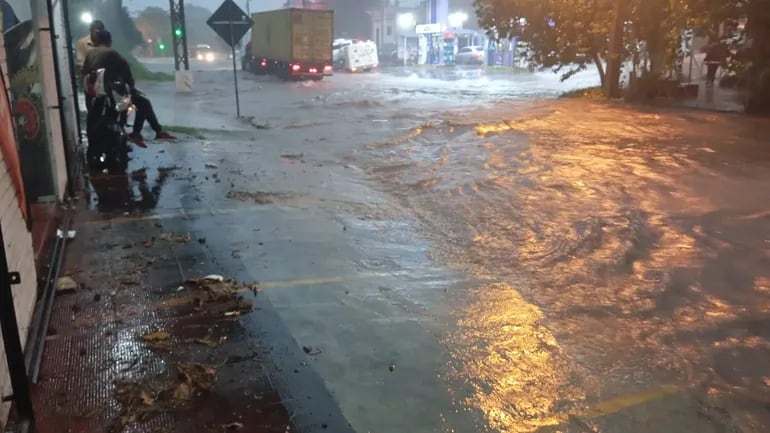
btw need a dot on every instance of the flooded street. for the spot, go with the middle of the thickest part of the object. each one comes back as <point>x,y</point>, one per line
<point>459,253</point>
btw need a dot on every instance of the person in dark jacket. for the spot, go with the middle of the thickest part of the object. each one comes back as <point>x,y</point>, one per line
<point>117,68</point>
<point>713,61</point>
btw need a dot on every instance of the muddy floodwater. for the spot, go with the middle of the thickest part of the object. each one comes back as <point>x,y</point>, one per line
<point>474,255</point>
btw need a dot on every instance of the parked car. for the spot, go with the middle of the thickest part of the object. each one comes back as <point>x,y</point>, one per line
<point>473,55</point>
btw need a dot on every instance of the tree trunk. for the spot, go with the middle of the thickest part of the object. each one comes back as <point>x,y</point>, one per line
<point>758,86</point>
<point>614,57</point>
<point>600,68</point>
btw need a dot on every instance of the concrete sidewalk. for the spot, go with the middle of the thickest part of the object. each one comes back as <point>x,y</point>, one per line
<point>138,343</point>
<point>716,99</point>
<point>134,348</point>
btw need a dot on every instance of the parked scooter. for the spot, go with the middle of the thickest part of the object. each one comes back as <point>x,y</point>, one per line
<point>106,124</point>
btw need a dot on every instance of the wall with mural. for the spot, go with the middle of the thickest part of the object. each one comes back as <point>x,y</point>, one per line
<point>17,237</point>
<point>28,101</point>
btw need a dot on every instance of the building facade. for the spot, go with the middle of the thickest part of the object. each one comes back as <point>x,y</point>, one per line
<point>39,135</point>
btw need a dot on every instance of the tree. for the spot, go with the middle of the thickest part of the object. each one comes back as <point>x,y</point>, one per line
<point>154,23</point>
<point>566,35</point>
<point>743,28</point>
<point>198,32</point>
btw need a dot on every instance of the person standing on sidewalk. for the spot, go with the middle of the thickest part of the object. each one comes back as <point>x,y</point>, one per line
<point>83,46</point>
<point>115,65</point>
<point>713,61</point>
<point>85,43</point>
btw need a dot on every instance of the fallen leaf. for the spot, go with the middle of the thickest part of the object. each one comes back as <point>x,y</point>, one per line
<point>156,336</point>
<point>200,376</point>
<point>206,342</point>
<point>182,392</point>
<point>66,284</point>
<point>128,280</point>
<point>180,238</point>
<point>161,346</point>
<point>146,399</point>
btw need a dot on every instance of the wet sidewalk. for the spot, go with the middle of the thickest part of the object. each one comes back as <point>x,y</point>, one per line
<point>140,343</point>
<point>715,99</point>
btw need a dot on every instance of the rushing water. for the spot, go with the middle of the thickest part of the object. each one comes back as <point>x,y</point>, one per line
<point>623,249</point>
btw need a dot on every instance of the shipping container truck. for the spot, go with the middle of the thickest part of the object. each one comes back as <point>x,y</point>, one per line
<point>291,43</point>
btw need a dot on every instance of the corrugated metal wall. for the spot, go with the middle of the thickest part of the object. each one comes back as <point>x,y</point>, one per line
<point>18,249</point>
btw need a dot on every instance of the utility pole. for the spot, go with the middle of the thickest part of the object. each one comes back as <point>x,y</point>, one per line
<point>179,35</point>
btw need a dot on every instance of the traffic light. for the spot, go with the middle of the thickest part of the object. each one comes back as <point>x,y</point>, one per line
<point>161,46</point>
<point>178,32</point>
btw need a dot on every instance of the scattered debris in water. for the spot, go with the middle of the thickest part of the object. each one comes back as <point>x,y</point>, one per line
<point>311,351</point>
<point>259,197</point>
<point>293,156</point>
<point>180,238</point>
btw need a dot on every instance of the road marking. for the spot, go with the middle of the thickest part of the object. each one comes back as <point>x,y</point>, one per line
<point>608,407</point>
<point>618,404</point>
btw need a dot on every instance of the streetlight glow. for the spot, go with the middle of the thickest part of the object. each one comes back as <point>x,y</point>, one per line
<point>406,20</point>
<point>457,19</point>
<point>86,17</point>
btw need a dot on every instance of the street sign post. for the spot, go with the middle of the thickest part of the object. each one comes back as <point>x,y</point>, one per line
<point>231,23</point>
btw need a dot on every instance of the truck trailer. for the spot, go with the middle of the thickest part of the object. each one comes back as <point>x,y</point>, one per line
<point>292,43</point>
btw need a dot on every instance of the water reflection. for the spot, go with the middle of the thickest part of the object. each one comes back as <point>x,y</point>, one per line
<point>126,193</point>
<point>521,378</point>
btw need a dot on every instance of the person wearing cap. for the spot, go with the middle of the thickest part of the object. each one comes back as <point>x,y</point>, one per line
<point>103,56</point>
<point>86,43</point>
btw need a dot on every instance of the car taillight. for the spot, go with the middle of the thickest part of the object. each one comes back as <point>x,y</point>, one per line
<point>264,62</point>
<point>313,70</point>
<point>328,68</point>
<point>296,68</point>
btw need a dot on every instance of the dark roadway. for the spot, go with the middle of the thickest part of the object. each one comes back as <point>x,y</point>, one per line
<point>469,255</point>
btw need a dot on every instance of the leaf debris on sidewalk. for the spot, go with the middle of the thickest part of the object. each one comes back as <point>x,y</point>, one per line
<point>142,399</point>
<point>220,296</point>
<point>66,285</point>
<point>158,341</point>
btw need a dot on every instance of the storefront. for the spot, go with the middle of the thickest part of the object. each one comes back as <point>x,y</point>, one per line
<point>38,136</point>
<point>35,63</point>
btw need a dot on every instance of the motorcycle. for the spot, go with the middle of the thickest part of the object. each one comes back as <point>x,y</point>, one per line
<point>106,124</point>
